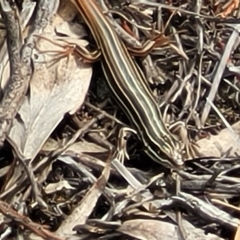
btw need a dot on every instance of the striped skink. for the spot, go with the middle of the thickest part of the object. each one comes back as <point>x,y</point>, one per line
<point>128,86</point>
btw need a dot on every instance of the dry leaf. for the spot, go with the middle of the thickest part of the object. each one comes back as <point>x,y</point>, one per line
<point>55,187</point>
<point>197,233</point>
<point>71,29</point>
<point>158,230</point>
<point>216,145</point>
<point>50,145</point>
<point>85,147</point>
<point>56,88</point>
<point>237,235</point>
<point>149,229</point>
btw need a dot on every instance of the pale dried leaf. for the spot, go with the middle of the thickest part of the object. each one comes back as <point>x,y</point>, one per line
<point>55,187</point>
<point>28,8</point>
<point>191,232</point>
<point>56,89</point>
<point>217,145</point>
<point>50,145</point>
<point>197,233</point>
<point>4,171</point>
<point>85,147</point>
<point>237,235</point>
<point>72,30</point>
<point>16,176</point>
<point>149,229</point>
<point>67,11</point>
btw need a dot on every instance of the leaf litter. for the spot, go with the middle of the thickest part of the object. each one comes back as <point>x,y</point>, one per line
<point>72,168</point>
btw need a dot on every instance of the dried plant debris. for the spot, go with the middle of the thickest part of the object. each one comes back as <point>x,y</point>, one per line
<point>52,78</point>
<point>45,106</point>
<point>72,167</point>
<point>82,212</point>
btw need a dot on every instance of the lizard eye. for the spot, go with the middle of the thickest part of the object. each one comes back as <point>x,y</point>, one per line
<point>165,138</point>
<point>194,203</point>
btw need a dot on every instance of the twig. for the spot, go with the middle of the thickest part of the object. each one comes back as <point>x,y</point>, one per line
<point>7,210</point>
<point>15,90</point>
